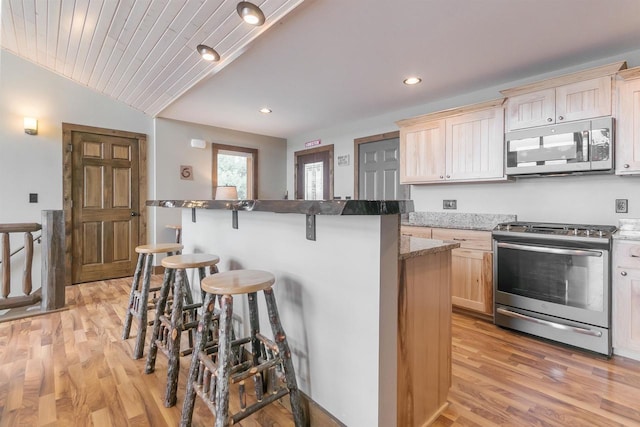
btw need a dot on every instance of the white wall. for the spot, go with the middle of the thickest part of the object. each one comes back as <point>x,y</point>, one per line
<point>33,164</point>
<point>579,199</point>
<point>173,139</point>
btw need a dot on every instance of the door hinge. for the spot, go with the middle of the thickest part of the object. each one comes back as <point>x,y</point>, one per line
<point>70,148</point>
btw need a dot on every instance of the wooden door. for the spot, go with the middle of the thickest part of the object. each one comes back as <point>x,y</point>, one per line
<point>105,201</point>
<point>475,145</point>
<point>628,137</point>
<point>531,109</point>
<point>379,171</point>
<point>583,100</point>
<point>313,172</point>
<point>422,152</point>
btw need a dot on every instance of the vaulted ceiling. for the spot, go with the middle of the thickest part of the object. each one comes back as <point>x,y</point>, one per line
<point>315,63</point>
<point>141,52</point>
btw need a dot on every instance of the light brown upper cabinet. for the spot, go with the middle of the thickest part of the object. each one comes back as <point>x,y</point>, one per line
<point>462,144</point>
<point>628,129</point>
<point>578,96</point>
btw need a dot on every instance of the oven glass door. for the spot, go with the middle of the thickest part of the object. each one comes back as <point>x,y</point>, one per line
<point>565,276</point>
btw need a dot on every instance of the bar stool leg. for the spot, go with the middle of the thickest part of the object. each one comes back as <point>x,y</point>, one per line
<point>144,301</point>
<point>188,297</point>
<point>256,348</point>
<point>224,361</point>
<point>174,339</point>
<point>285,353</point>
<point>134,286</point>
<point>201,341</point>
<point>168,279</point>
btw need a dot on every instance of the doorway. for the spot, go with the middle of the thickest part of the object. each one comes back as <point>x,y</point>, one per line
<point>104,195</point>
<point>377,168</point>
<point>313,173</point>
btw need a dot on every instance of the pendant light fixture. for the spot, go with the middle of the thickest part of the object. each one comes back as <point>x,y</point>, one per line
<point>208,53</point>
<point>250,13</point>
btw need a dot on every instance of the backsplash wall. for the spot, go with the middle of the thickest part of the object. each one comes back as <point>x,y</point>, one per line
<point>581,199</point>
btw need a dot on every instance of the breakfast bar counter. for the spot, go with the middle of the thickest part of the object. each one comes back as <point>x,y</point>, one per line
<point>346,284</point>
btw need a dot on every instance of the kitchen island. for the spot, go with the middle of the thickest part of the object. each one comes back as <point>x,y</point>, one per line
<point>337,266</point>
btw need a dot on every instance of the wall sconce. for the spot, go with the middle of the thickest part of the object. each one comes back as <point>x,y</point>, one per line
<point>199,143</point>
<point>226,192</point>
<point>30,126</point>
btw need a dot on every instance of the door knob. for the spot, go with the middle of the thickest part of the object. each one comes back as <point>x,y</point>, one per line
<point>623,273</point>
<point>134,214</point>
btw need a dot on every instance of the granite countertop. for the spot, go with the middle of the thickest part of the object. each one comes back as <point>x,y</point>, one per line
<point>411,247</point>
<point>308,207</point>
<point>628,229</point>
<point>467,221</point>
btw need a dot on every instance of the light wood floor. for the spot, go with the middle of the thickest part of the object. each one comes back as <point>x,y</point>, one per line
<point>71,368</point>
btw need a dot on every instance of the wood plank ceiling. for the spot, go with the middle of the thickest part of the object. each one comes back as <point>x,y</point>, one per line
<point>141,52</point>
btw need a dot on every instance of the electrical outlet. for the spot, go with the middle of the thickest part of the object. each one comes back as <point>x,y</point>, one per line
<point>449,204</point>
<point>621,206</point>
<point>33,197</point>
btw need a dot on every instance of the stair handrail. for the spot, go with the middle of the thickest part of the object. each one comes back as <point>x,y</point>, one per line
<point>37,238</point>
<point>5,260</point>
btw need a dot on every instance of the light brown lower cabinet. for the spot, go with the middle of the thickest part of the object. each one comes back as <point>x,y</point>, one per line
<point>471,266</point>
<point>471,269</point>
<point>424,338</point>
<point>472,280</point>
<point>626,299</point>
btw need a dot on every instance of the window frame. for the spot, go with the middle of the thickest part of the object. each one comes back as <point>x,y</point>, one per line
<point>252,169</point>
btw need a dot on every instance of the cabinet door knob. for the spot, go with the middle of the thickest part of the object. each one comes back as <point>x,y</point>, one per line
<point>560,117</point>
<point>549,119</point>
<point>441,177</point>
<point>626,166</point>
<point>623,273</point>
<point>448,176</point>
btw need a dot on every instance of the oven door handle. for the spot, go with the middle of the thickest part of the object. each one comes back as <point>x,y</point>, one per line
<point>548,250</point>
<point>555,325</point>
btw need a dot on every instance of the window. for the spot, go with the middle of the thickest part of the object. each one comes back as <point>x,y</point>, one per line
<point>236,166</point>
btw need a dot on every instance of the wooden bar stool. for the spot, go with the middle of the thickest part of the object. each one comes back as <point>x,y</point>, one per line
<point>172,319</point>
<point>139,296</point>
<point>211,375</point>
<point>178,230</point>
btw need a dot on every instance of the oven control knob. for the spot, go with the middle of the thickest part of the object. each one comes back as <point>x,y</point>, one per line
<point>575,231</point>
<point>600,233</point>
<point>623,273</point>
<point>587,232</point>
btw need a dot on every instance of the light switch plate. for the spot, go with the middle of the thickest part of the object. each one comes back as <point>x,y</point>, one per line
<point>622,206</point>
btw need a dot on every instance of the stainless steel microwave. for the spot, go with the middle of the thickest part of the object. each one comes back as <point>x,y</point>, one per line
<point>577,147</point>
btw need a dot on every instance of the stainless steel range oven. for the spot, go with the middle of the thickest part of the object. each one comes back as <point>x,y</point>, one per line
<point>554,281</point>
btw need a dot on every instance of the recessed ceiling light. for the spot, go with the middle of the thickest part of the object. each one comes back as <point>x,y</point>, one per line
<point>412,80</point>
<point>208,53</point>
<point>265,110</point>
<point>250,13</point>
